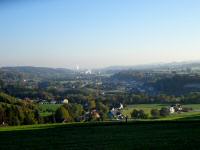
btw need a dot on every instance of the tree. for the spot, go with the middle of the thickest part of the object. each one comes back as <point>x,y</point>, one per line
<point>29,118</point>
<point>1,84</point>
<point>142,114</point>
<point>139,114</point>
<point>2,115</point>
<point>164,112</point>
<point>62,114</point>
<point>91,102</point>
<point>134,114</point>
<point>19,113</point>
<point>15,121</point>
<point>75,110</point>
<point>9,114</point>
<point>103,110</point>
<point>37,114</point>
<point>155,113</point>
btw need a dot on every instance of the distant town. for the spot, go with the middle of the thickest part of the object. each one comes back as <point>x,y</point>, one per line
<point>100,94</point>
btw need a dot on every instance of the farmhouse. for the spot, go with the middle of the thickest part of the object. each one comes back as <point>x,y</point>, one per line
<point>65,101</point>
<point>172,110</point>
<point>95,114</point>
<point>175,108</point>
<point>116,112</point>
<point>53,102</point>
<point>43,102</point>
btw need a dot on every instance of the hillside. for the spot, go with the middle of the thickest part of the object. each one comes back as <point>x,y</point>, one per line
<point>36,72</point>
<point>14,111</point>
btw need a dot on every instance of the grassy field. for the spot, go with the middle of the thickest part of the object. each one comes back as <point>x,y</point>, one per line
<point>177,131</point>
<point>193,115</point>
<point>101,136</point>
<point>47,109</point>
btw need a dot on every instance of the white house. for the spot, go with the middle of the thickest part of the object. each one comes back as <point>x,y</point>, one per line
<point>172,110</point>
<point>113,111</point>
<point>121,106</point>
<point>44,102</point>
<point>53,102</point>
<point>65,101</point>
<point>175,108</point>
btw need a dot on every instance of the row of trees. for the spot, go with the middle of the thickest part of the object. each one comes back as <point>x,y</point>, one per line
<point>190,98</point>
<point>155,113</point>
<point>163,112</point>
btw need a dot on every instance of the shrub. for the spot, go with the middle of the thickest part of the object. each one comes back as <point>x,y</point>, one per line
<point>186,109</point>
<point>62,115</point>
<point>164,112</point>
<point>155,113</point>
<point>139,114</point>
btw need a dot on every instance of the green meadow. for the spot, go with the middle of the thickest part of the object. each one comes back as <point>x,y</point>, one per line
<point>102,136</point>
<point>48,109</point>
<point>192,115</point>
<point>177,131</point>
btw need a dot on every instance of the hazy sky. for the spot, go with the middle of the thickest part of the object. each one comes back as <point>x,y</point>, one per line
<point>98,33</point>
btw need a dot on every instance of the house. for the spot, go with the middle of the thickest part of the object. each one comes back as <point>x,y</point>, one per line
<point>116,113</point>
<point>113,111</point>
<point>65,101</point>
<point>121,106</point>
<point>95,114</point>
<point>43,102</point>
<point>175,108</point>
<point>179,107</point>
<point>172,110</point>
<point>53,102</point>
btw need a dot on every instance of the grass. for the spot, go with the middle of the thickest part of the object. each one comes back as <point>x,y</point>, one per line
<point>134,135</point>
<point>177,131</point>
<point>193,115</point>
<point>47,109</point>
<point>146,107</point>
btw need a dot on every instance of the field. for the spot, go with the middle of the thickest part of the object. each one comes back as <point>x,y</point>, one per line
<point>48,109</point>
<point>193,115</point>
<point>134,135</point>
<point>177,131</point>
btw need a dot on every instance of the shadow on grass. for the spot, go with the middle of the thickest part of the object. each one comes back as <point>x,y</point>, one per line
<point>190,118</point>
<point>106,135</point>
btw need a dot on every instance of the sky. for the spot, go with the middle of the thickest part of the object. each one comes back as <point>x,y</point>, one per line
<point>98,33</point>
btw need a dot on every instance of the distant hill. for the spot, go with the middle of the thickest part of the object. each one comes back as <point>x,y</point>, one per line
<point>156,66</point>
<point>37,72</point>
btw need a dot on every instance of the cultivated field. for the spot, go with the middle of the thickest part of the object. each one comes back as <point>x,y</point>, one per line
<point>134,135</point>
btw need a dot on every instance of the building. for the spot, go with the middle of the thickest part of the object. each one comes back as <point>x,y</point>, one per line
<point>172,110</point>
<point>65,101</point>
<point>175,108</point>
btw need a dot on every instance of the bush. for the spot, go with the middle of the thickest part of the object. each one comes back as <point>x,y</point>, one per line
<point>164,112</point>
<point>186,109</point>
<point>155,113</point>
<point>139,114</point>
<point>134,114</point>
<point>29,119</point>
<point>15,121</point>
<point>62,115</point>
<point>75,110</point>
